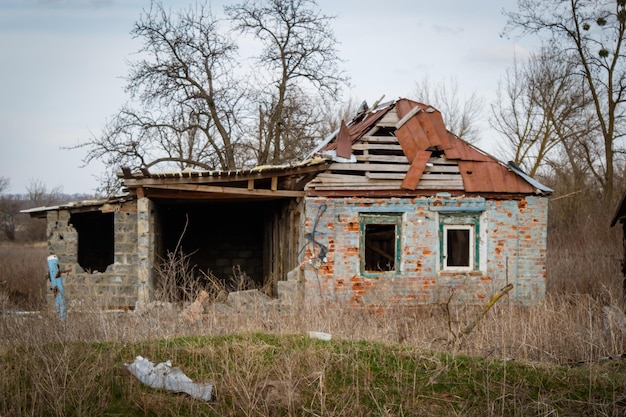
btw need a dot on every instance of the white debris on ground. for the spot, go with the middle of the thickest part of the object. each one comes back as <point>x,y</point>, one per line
<point>320,336</point>
<point>164,376</point>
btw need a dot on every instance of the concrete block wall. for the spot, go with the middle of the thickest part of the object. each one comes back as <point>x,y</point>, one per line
<point>247,257</point>
<point>512,248</point>
<point>115,287</point>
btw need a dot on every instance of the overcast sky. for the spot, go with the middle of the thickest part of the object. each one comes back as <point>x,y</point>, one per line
<point>63,63</point>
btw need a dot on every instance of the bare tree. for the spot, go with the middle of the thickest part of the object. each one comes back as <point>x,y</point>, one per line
<point>39,195</point>
<point>298,57</point>
<point>192,103</point>
<point>4,184</point>
<point>591,32</point>
<point>185,95</point>
<point>10,206</point>
<point>542,112</point>
<point>460,116</point>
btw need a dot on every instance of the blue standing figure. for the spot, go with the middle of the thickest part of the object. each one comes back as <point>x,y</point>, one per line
<point>57,286</point>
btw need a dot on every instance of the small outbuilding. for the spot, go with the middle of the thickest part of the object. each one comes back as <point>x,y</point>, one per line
<point>392,209</point>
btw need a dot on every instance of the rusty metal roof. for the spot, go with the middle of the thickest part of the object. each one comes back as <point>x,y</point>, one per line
<point>421,131</point>
<point>422,128</point>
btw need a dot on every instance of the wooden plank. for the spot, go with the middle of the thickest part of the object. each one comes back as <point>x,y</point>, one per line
<point>390,119</point>
<point>352,183</point>
<point>451,169</point>
<point>441,177</point>
<point>250,184</point>
<point>408,116</point>
<point>385,176</point>
<point>373,146</point>
<point>274,185</point>
<point>379,139</point>
<point>441,184</point>
<point>392,186</point>
<point>227,190</point>
<point>426,185</point>
<point>444,161</point>
<point>338,178</point>
<point>414,173</point>
<point>383,158</point>
<point>368,167</point>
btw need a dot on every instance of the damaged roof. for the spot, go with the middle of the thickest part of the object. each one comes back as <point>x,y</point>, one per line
<point>104,205</point>
<point>262,182</point>
<point>372,147</point>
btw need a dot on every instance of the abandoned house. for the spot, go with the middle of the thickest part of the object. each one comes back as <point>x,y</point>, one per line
<point>392,209</point>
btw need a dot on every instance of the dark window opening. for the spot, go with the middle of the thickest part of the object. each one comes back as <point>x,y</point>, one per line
<point>458,250</point>
<point>380,243</point>
<point>380,247</point>
<point>96,240</point>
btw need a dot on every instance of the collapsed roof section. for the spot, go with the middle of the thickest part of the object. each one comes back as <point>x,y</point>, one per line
<point>403,148</point>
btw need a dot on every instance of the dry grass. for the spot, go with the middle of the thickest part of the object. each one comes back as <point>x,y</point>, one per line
<point>262,364</point>
<point>23,276</point>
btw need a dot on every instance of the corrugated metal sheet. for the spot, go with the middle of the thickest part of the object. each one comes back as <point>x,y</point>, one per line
<point>480,172</point>
<point>357,128</point>
<point>426,128</point>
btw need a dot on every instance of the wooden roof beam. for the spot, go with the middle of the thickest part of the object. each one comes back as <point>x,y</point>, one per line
<point>227,190</point>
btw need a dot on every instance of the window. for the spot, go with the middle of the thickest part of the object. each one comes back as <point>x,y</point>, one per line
<point>96,245</point>
<point>458,247</point>
<point>459,240</point>
<point>380,243</point>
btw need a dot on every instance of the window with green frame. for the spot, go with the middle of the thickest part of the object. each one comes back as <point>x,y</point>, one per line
<point>379,243</point>
<point>459,241</point>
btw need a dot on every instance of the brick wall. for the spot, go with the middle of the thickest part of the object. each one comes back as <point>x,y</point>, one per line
<point>511,248</point>
<point>114,287</point>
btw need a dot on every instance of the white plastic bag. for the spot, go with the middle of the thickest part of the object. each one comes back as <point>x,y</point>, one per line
<point>164,376</point>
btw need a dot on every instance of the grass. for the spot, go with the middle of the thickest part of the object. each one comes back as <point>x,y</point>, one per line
<point>23,279</point>
<point>518,361</point>
<point>259,374</point>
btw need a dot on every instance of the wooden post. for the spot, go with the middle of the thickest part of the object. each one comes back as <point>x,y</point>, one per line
<point>57,286</point>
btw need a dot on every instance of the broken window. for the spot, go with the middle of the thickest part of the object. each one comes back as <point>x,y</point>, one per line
<point>459,240</point>
<point>380,243</point>
<point>96,244</point>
